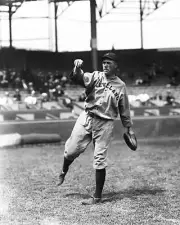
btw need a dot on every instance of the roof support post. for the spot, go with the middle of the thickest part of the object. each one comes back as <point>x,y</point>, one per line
<point>141,23</point>
<point>55,25</point>
<point>93,35</point>
<point>10,25</point>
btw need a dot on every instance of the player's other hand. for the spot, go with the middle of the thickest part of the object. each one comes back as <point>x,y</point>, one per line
<point>129,130</point>
<point>78,63</point>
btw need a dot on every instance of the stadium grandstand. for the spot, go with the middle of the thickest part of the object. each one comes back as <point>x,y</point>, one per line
<point>36,79</point>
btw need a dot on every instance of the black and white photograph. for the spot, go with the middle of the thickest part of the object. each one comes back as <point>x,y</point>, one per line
<point>89,112</point>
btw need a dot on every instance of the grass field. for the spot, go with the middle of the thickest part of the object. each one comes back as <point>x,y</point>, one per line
<point>142,187</point>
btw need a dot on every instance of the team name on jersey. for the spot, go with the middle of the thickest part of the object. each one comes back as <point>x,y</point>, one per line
<point>100,83</point>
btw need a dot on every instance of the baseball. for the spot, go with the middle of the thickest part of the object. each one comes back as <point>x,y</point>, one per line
<point>78,63</point>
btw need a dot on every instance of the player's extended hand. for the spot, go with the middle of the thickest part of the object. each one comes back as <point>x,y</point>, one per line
<point>78,63</point>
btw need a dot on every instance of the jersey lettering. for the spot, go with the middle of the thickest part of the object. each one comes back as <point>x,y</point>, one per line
<point>99,83</point>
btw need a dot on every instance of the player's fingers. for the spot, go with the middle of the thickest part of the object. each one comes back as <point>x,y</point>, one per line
<point>75,62</point>
<point>78,63</point>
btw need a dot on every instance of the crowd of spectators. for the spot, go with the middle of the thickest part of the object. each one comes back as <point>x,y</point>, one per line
<point>40,80</point>
<point>41,86</point>
<point>32,87</point>
<point>154,73</point>
<point>157,99</point>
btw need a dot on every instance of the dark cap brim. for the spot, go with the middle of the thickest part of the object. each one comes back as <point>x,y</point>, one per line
<point>110,56</point>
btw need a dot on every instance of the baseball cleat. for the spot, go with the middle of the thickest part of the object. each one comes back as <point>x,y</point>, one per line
<point>92,201</point>
<point>61,178</point>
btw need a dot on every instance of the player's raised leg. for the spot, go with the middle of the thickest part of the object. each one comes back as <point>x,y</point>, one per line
<point>75,145</point>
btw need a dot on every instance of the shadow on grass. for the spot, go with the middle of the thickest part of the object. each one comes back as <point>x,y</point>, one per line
<point>131,193</point>
<point>78,195</point>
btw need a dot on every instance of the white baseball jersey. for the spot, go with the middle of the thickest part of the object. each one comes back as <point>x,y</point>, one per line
<point>106,96</point>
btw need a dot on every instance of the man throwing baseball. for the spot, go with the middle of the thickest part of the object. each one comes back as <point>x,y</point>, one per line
<point>106,98</point>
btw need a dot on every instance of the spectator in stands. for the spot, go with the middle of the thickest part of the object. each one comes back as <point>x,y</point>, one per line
<point>44,97</point>
<point>139,81</point>
<point>154,69</point>
<point>6,100</point>
<point>1,74</point>
<point>38,81</point>
<point>24,85</point>
<point>56,82</point>
<point>157,100</point>
<point>4,82</point>
<point>17,96</point>
<point>30,100</point>
<point>17,81</point>
<point>64,80</point>
<point>173,79</point>
<point>58,75</point>
<point>45,88</point>
<point>26,74</point>
<point>82,97</point>
<point>67,102</point>
<point>51,90</point>
<point>50,78</point>
<point>59,92</point>
<point>143,98</point>
<point>170,99</point>
<point>30,88</point>
<point>11,76</point>
<point>133,101</point>
<point>150,73</point>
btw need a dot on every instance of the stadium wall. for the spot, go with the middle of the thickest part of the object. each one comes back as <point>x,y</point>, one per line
<point>145,128</point>
<point>55,114</point>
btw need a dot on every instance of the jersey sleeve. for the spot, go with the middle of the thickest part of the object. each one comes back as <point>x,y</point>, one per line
<point>77,78</point>
<point>83,79</point>
<point>124,108</point>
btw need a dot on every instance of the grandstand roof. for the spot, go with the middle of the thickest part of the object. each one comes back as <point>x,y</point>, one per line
<point>135,10</point>
<point>103,6</point>
<point>7,2</point>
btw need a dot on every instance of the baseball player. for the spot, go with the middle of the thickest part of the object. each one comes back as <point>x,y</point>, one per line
<point>106,98</point>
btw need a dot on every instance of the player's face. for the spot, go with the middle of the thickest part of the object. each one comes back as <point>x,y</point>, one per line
<point>109,67</point>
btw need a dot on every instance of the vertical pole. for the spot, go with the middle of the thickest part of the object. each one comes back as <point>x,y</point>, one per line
<point>0,33</point>
<point>49,26</point>
<point>93,34</point>
<point>141,22</point>
<point>55,24</point>
<point>10,25</point>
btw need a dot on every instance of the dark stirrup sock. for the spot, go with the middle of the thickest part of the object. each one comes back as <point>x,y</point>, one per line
<point>100,179</point>
<point>66,165</point>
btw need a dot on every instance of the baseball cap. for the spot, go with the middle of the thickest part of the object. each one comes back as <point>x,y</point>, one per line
<point>111,56</point>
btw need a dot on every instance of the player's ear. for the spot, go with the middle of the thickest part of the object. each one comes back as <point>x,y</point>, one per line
<point>116,65</point>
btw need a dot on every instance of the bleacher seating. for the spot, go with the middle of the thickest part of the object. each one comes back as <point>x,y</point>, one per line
<point>75,91</point>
